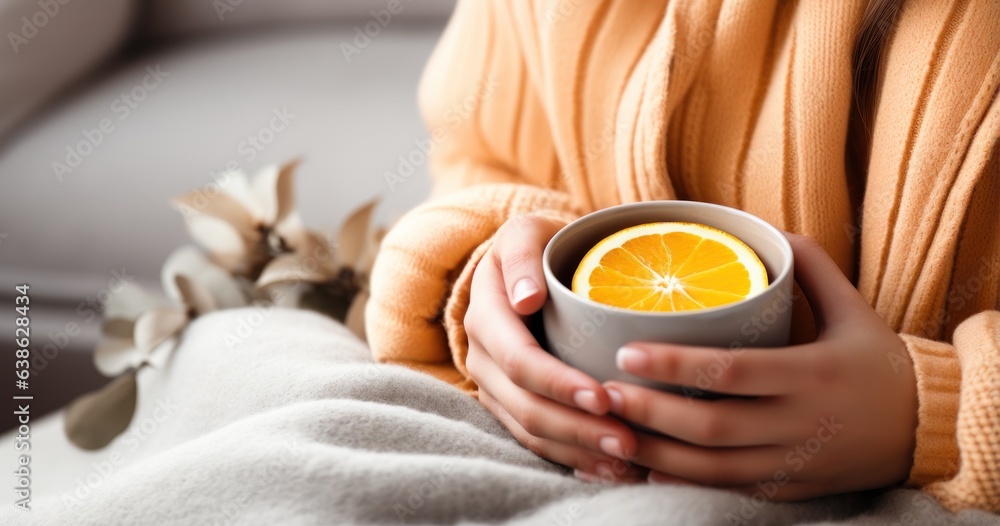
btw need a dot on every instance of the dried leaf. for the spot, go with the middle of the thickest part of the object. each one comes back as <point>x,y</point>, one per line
<point>219,206</point>
<point>157,325</point>
<point>355,233</point>
<point>355,319</point>
<point>190,261</point>
<point>291,268</point>
<point>113,356</point>
<point>95,419</point>
<point>194,296</point>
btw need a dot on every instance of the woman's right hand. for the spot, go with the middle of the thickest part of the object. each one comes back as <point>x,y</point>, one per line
<point>556,411</point>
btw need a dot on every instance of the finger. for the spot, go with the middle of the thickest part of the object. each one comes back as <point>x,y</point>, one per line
<point>710,466</point>
<point>832,297</point>
<point>502,333</point>
<point>718,423</point>
<point>546,419</point>
<point>517,249</point>
<point>748,372</point>
<point>583,460</point>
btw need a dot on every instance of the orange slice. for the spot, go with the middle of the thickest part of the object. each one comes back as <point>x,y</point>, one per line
<point>669,267</point>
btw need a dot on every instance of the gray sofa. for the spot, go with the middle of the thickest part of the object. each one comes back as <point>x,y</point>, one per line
<point>109,109</point>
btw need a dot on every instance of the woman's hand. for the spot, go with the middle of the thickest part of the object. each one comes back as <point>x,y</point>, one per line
<point>557,411</point>
<point>831,416</point>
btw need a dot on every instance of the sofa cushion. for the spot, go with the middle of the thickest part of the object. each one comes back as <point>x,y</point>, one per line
<point>49,44</point>
<point>85,191</point>
<point>169,18</point>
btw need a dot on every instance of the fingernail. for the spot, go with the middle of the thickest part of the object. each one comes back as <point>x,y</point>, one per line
<point>612,446</point>
<point>617,401</point>
<point>586,477</point>
<point>586,399</point>
<point>524,289</point>
<point>629,359</point>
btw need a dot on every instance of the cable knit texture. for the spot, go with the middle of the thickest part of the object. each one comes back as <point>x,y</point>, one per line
<point>561,108</point>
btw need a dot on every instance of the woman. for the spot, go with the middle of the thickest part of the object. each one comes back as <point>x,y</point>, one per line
<point>870,127</point>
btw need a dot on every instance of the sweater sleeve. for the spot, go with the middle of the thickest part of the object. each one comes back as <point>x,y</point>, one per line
<point>957,460</point>
<point>491,157</point>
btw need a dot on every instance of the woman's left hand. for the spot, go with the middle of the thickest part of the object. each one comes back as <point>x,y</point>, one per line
<point>835,415</point>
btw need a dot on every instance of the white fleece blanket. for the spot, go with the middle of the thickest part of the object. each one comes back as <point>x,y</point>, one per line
<point>280,417</point>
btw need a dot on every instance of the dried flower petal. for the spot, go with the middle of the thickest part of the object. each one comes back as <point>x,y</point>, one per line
<point>194,296</point>
<point>356,234</point>
<point>157,325</point>
<point>129,301</point>
<point>274,192</point>
<point>220,238</point>
<point>293,267</point>
<point>93,420</point>
<point>226,291</point>
<point>113,356</point>
<point>219,206</point>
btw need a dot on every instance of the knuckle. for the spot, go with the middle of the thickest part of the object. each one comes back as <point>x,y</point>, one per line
<point>473,361</point>
<point>517,257</point>
<point>534,444</point>
<point>668,364</point>
<point>513,366</point>
<point>519,224</point>
<point>528,418</point>
<point>712,430</point>
<point>731,375</point>
<point>826,368</point>
<point>469,321</point>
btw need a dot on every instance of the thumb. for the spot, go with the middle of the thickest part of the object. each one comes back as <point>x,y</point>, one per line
<point>832,297</point>
<point>517,249</point>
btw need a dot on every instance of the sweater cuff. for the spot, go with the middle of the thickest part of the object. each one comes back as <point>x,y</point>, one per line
<point>458,304</point>
<point>939,377</point>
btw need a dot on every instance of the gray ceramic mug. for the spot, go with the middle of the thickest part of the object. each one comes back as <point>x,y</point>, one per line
<point>586,334</point>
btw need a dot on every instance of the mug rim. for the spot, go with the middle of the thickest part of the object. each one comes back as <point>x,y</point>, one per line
<point>550,278</point>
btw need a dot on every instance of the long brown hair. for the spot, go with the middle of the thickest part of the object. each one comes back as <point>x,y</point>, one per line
<point>873,34</point>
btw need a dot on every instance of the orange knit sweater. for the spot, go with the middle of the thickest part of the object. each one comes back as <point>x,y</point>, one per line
<point>567,106</point>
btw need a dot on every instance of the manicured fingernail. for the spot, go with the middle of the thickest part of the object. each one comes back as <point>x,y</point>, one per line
<point>617,401</point>
<point>586,477</point>
<point>523,289</point>
<point>586,399</point>
<point>629,359</point>
<point>612,446</point>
